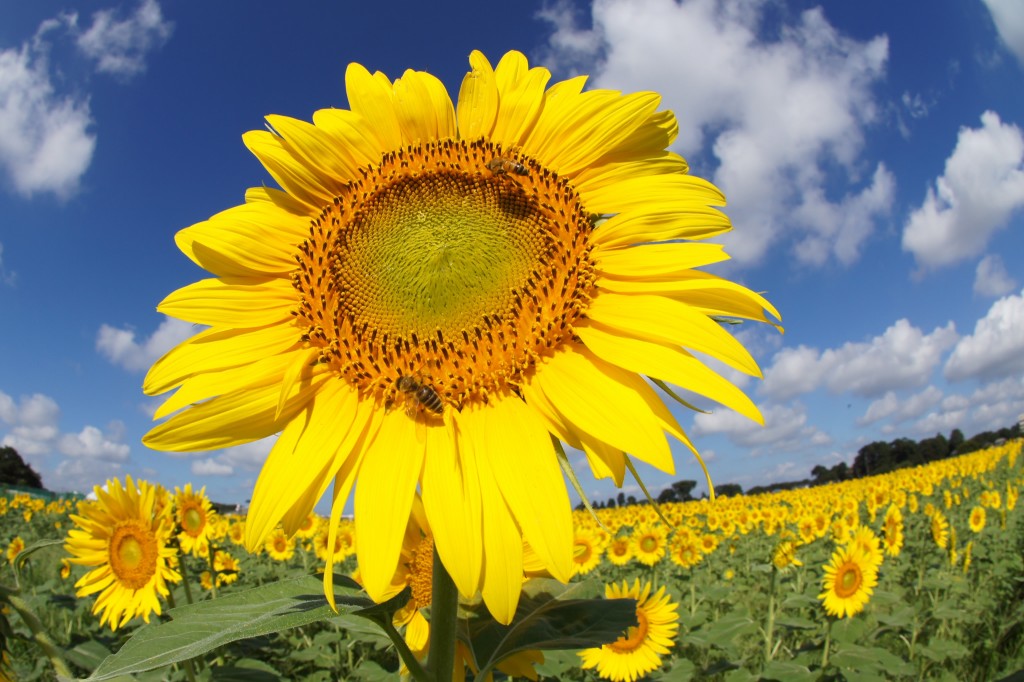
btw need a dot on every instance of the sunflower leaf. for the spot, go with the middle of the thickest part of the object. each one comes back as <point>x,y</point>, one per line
<point>198,628</point>
<point>548,622</point>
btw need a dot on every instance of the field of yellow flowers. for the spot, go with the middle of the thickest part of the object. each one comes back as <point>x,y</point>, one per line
<point>916,574</point>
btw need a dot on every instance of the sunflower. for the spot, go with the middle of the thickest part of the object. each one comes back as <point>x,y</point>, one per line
<point>684,550</point>
<point>436,292</point>
<point>587,550</point>
<point>650,541</point>
<point>194,515</point>
<point>620,550</point>
<point>940,529</point>
<point>279,545</point>
<point>639,651</point>
<point>227,568</point>
<point>849,580</point>
<point>124,534</point>
<point>784,555</point>
<point>892,531</point>
<point>16,547</point>
<point>977,519</point>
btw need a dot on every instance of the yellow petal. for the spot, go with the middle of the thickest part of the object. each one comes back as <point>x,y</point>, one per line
<point>372,98</point>
<point>654,193</point>
<point>520,99</point>
<point>386,486</point>
<point>217,349</point>
<point>678,219</point>
<point>586,391</point>
<point>662,320</point>
<point>236,302</point>
<point>423,107</point>
<point>478,99</point>
<point>299,181</point>
<point>451,497</point>
<point>514,440</point>
<point>316,149</point>
<point>352,136</point>
<point>670,364</point>
<point>503,550</point>
<point>656,261</point>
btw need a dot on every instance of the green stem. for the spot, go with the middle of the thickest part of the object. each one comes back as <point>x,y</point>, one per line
<point>769,630</point>
<point>828,645</point>
<point>408,658</point>
<point>39,634</point>
<point>444,615</point>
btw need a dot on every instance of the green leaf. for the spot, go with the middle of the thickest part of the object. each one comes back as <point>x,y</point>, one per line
<point>557,663</point>
<point>870,659</point>
<point>198,628</point>
<point>369,671</point>
<point>544,621</point>
<point>940,650</point>
<point>796,623</point>
<point>784,671</point>
<point>87,655</point>
<point>231,673</point>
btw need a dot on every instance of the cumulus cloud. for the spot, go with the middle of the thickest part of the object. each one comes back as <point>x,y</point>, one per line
<point>211,467</point>
<point>902,357</point>
<point>780,115</point>
<point>1008,16</point>
<point>48,142</point>
<point>48,139</point>
<point>93,444</point>
<point>980,189</point>
<point>785,429</point>
<point>32,423</point>
<point>996,405</point>
<point>991,277</point>
<point>996,348</point>
<point>121,347</point>
<point>119,46</point>
<point>898,409</point>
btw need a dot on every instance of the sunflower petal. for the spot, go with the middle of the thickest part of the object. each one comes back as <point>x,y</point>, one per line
<point>478,99</point>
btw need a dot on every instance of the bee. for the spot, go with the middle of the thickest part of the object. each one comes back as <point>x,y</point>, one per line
<point>501,165</point>
<point>420,395</point>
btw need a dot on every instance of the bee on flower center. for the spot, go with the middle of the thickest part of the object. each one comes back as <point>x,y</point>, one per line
<point>504,166</point>
<point>420,394</point>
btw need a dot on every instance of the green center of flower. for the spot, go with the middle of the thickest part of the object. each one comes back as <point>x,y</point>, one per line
<point>649,543</point>
<point>193,520</point>
<point>133,554</point>
<point>447,263</point>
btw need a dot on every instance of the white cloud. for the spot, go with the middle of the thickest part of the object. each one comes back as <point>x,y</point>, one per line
<point>47,142</point>
<point>119,46</point>
<point>211,467</point>
<point>33,424</point>
<point>780,115</point>
<point>991,277</point>
<point>996,348</point>
<point>82,474</point>
<point>1008,16</point>
<point>902,357</point>
<point>120,347</point>
<point>993,406</point>
<point>93,444</point>
<point>980,189</point>
<point>898,409</point>
<point>785,429</point>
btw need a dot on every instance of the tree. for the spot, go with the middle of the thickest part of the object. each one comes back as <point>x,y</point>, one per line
<point>729,490</point>
<point>14,470</point>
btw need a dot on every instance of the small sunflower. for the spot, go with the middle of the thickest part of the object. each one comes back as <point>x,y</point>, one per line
<point>650,541</point>
<point>16,547</point>
<point>892,531</point>
<point>849,581</point>
<point>639,651</point>
<point>977,519</point>
<point>685,550</point>
<point>227,568</point>
<point>194,515</point>
<point>620,550</point>
<point>587,550</point>
<point>124,535</point>
<point>784,555</point>
<point>940,529</point>
<point>435,292</point>
<point>279,545</point>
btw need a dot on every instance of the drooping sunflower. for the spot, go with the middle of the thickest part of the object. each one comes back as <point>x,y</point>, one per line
<point>124,535</point>
<point>849,581</point>
<point>784,555</point>
<point>439,289</point>
<point>639,651</point>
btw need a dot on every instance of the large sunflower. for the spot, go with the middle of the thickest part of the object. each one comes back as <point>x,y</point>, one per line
<point>848,582</point>
<point>437,291</point>
<point>124,535</point>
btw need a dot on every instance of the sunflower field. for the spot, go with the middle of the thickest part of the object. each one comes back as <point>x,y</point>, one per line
<point>915,574</point>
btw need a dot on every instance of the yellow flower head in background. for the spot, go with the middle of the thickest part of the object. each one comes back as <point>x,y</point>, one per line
<point>640,649</point>
<point>435,292</point>
<point>849,580</point>
<point>784,555</point>
<point>16,547</point>
<point>124,536</point>
<point>977,519</point>
<point>279,545</point>
<point>194,516</point>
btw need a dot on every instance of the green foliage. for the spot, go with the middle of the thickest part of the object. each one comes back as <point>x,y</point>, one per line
<point>14,470</point>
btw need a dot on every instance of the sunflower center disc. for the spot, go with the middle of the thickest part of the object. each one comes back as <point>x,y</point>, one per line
<point>848,581</point>
<point>192,521</point>
<point>635,636</point>
<point>133,554</point>
<point>441,265</point>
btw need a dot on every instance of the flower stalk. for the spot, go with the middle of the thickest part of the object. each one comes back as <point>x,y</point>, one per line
<point>444,615</point>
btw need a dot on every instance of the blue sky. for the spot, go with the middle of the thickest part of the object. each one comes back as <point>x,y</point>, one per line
<point>872,154</point>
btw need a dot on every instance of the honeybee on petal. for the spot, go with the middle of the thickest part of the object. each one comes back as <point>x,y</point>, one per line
<point>502,165</point>
<point>419,394</point>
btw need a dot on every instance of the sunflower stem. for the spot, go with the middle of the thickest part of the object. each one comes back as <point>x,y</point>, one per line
<point>769,633</point>
<point>39,635</point>
<point>828,645</point>
<point>444,614</point>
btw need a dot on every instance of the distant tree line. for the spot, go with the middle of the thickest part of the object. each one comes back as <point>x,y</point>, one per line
<point>14,470</point>
<point>879,457</point>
